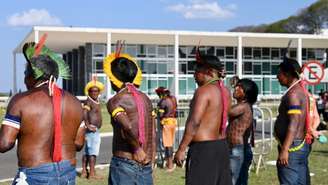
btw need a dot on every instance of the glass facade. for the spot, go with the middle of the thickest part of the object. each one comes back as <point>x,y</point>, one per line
<point>157,63</point>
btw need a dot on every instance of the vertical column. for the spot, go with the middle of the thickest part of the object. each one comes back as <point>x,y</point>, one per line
<point>299,51</point>
<point>36,36</point>
<point>176,66</point>
<point>14,74</point>
<point>240,57</point>
<point>109,51</point>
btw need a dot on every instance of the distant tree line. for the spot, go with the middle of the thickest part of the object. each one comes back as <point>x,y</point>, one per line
<point>310,20</point>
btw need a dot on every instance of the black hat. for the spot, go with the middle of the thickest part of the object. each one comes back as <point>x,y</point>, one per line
<point>209,60</point>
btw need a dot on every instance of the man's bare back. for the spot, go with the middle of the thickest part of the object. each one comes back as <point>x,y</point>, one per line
<point>123,141</point>
<point>35,137</point>
<point>206,109</point>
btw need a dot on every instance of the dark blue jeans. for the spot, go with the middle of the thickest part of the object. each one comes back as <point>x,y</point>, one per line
<point>248,157</point>
<point>125,172</point>
<point>62,173</point>
<point>236,161</point>
<point>297,171</point>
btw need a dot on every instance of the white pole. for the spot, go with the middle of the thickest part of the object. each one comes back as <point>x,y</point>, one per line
<point>14,74</point>
<point>176,66</point>
<point>36,36</point>
<point>109,51</point>
<point>240,57</point>
<point>299,51</point>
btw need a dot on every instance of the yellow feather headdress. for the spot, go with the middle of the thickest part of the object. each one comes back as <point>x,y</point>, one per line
<point>108,67</point>
<point>94,83</point>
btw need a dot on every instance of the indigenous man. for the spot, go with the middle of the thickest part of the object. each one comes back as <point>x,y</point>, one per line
<point>208,155</point>
<point>46,122</point>
<point>292,126</point>
<point>93,122</point>
<point>167,108</point>
<point>133,123</point>
<point>240,130</point>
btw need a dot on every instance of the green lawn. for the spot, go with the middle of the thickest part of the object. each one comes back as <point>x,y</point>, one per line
<point>268,176</point>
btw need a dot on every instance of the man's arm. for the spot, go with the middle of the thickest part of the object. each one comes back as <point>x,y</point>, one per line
<point>86,108</point>
<point>294,114</point>
<point>198,107</point>
<point>80,137</point>
<point>162,107</point>
<point>10,126</point>
<point>236,110</point>
<point>119,115</point>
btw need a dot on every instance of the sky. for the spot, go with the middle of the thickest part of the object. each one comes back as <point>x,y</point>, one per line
<point>18,16</point>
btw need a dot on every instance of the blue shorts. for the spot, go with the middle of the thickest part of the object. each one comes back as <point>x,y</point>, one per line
<point>92,143</point>
<point>50,173</point>
<point>125,171</point>
<point>297,171</point>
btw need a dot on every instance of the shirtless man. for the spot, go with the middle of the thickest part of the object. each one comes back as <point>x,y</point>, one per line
<point>290,127</point>
<point>240,130</point>
<point>93,122</point>
<point>167,112</point>
<point>208,155</point>
<point>133,124</point>
<point>46,148</point>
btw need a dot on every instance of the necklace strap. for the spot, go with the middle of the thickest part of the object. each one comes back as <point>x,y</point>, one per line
<point>211,81</point>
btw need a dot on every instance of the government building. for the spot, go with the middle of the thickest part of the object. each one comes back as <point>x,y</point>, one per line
<point>166,56</point>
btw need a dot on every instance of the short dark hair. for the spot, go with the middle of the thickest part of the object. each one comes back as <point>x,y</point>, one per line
<point>124,69</point>
<point>250,89</point>
<point>290,67</point>
<point>209,61</point>
<point>45,64</point>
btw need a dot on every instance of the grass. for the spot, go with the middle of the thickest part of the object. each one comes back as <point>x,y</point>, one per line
<point>267,175</point>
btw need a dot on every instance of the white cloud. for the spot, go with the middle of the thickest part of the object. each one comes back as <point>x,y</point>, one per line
<point>203,9</point>
<point>33,17</point>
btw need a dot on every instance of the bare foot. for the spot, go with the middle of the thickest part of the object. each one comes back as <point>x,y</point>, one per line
<point>170,169</point>
<point>84,174</point>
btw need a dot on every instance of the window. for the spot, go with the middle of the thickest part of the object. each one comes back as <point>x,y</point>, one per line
<point>191,64</point>
<point>210,51</point>
<point>182,68</point>
<point>259,85</point>
<point>310,54</point>
<point>266,68</point>
<point>266,85</point>
<point>152,84</point>
<point>162,52</point>
<point>248,67</point>
<point>229,67</point>
<point>257,53</point>
<point>182,86</point>
<point>152,67</point>
<point>182,52</point>
<point>191,85</point>
<point>141,51</point>
<point>257,68</point>
<point>229,52</point>
<point>162,68</point>
<point>131,50</point>
<point>274,68</point>
<point>275,53</point>
<point>248,53</point>
<point>220,52</point>
<point>275,86</point>
<point>99,50</point>
<point>144,83</point>
<point>266,53</point>
<point>151,50</point>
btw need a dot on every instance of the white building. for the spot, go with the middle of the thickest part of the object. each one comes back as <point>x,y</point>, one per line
<point>166,56</point>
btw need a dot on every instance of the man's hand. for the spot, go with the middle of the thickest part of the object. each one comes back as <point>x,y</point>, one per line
<point>179,158</point>
<point>140,156</point>
<point>92,128</point>
<point>283,158</point>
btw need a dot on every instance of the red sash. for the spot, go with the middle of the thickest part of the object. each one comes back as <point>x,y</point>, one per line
<point>57,145</point>
<point>225,102</point>
<point>141,112</point>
